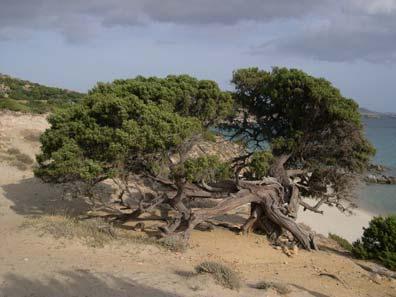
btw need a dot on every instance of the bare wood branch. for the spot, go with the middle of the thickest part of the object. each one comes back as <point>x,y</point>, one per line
<point>314,208</point>
<point>212,189</point>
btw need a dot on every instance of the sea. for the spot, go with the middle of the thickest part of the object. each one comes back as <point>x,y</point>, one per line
<point>381,199</point>
<point>375,198</point>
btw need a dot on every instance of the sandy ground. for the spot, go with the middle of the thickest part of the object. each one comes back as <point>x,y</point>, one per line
<point>41,266</point>
<point>333,221</point>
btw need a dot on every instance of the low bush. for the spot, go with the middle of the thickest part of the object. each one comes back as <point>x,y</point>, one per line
<point>173,244</point>
<point>222,274</point>
<point>13,105</point>
<point>280,288</point>
<point>378,242</point>
<point>95,232</point>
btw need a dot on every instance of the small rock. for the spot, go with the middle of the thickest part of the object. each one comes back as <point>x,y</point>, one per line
<point>286,251</point>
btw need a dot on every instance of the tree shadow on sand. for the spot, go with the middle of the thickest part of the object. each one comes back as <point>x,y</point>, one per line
<point>33,197</point>
<point>77,283</point>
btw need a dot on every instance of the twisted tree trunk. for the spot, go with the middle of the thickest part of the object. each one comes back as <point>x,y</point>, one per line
<point>269,198</point>
<point>274,204</point>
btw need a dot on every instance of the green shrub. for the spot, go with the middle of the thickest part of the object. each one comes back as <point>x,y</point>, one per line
<point>342,242</point>
<point>260,163</point>
<point>378,242</point>
<point>388,259</point>
<point>209,136</point>
<point>13,105</point>
<point>222,274</point>
<point>208,168</point>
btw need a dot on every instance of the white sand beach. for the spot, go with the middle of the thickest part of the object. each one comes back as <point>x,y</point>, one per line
<point>333,221</point>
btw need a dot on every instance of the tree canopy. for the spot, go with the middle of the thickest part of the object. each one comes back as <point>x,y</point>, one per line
<point>305,118</point>
<point>184,94</point>
<point>139,132</point>
<point>105,135</point>
<point>301,115</point>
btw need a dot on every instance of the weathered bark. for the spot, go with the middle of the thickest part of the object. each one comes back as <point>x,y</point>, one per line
<point>294,202</point>
<point>278,212</point>
<point>274,201</point>
<point>279,172</point>
<point>182,220</point>
<point>269,198</point>
<point>314,208</point>
<point>255,214</point>
<point>274,213</point>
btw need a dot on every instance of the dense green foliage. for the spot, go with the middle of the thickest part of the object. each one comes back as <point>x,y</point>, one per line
<point>259,164</point>
<point>303,115</point>
<point>378,241</point>
<point>106,134</point>
<point>306,119</point>
<point>132,126</point>
<point>184,94</point>
<point>13,105</point>
<point>25,96</point>
<point>138,125</point>
<point>207,168</point>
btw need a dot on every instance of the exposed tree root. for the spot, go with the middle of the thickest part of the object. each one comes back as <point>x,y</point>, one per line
<point>274,204</point>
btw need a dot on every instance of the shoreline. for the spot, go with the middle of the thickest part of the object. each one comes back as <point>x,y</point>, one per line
<point>333,221</point>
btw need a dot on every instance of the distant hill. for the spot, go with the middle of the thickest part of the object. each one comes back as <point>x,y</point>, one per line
<point>22,95</point>
<point>370,114</point>
<point>374,114</point>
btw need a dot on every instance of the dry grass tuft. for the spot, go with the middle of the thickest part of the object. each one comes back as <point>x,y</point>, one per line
<point>32,136</point>
<point>18,159</point>
<point>222,274</point>
<point>95,232</point>
<point>280,288</point>
<point>173,244</point>
<point>342,242</point>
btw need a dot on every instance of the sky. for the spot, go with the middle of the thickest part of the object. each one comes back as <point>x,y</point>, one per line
<point>74,44</point>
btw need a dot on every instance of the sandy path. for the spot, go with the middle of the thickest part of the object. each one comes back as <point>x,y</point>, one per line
<point>40,266</point>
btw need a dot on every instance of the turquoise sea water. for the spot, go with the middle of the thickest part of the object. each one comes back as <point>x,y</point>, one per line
<point>382,133</point>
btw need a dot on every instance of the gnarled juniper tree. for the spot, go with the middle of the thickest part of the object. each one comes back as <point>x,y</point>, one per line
<point>139,132</point>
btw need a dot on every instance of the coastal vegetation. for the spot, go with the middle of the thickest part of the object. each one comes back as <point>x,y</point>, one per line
<point>222,274</point>
<point>301,138</point>
<point>378,242</point>
<point>25,96</point>
<point>95,232</point>
<point>342,242</point>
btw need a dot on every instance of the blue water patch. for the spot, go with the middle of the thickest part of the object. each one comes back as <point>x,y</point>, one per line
<point>382,134</point>
<point>380,199</point>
